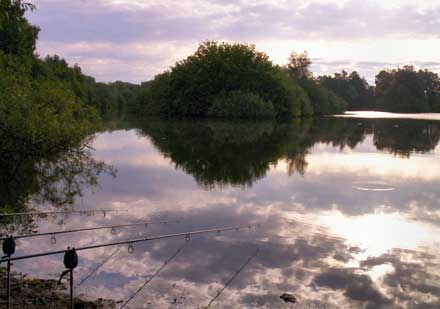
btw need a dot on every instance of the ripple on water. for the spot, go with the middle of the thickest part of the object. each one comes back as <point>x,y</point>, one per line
<point>373,185</point>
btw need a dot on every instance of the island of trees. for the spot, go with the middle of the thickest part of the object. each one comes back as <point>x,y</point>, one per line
<point>222,80</point>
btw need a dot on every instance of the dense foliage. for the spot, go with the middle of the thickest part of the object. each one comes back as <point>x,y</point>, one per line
<point>227,80</point>
<point>350,87</point>
<point>406,90</point>
<point>109,99</point>
<point>402,90</point>
<point>218,71</point>
<point>17,36</point>
<point>45,105</point>
<point>37,114</point>
<point>317,99</point>
<point>238,104</point>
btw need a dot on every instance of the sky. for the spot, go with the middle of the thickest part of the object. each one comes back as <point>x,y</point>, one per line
<point>133,40</point>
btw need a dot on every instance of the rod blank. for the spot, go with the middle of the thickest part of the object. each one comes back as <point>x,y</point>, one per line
<point>36,213</point>
<point>89,229</point>
<point>131,242</point>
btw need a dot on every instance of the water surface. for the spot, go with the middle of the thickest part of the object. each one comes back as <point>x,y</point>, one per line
<point>348,210</point>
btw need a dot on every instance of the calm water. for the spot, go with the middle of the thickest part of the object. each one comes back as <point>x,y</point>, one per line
<point>349,211</point>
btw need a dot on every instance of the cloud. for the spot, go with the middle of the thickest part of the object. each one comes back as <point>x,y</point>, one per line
<point>356,286</point>
<point>134,40</point>
<point>412,281</point>
<point>120,21</point>
<point>108,61</point>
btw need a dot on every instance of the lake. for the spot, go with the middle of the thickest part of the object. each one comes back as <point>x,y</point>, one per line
<point>347,214</point>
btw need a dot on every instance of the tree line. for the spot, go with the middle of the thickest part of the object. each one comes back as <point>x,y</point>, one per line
<point>401,90</point>
<point>222,80</point>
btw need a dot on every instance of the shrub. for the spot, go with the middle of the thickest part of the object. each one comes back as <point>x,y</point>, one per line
<point>239,104</point>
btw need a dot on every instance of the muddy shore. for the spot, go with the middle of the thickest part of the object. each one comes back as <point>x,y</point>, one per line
<point>43,293</point>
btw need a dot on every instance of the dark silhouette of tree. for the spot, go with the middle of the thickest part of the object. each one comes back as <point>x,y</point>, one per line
<point>299,65</point>
<point>317,99</point>
<point>407,90</point>
<point>350,87</point>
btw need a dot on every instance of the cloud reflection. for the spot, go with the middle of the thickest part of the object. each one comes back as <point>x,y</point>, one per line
<point>320,239</point>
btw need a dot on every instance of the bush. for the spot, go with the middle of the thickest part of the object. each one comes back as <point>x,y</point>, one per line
<point>192,85</point>
<point>239,104</point>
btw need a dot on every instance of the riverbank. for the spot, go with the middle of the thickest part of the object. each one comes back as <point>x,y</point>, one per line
<point>43,293</point>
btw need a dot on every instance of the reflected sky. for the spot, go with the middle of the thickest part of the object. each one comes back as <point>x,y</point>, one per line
<point>349,215</point>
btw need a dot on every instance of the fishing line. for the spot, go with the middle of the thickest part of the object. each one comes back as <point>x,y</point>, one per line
<point>98,267</point>
<point>155,274</point>
<point>233,277</point>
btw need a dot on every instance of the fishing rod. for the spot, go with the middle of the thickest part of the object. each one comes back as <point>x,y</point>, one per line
<point>187,236</point>
<point>71,256</point>
<point>154,275</point>
<point>233,277</point>
<point>112,227</point>
<point>36,213</point>
<point>98,267</point>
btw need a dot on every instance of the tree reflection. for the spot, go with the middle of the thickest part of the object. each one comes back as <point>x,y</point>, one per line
<point>230,153</point>
<point>406,136</point>
<point>56,180</point>
<point>222,153</point>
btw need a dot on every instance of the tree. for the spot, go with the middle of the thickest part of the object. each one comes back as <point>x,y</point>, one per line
<point>315,98</point>
<point>431,84</point>
<point>406,90</point>
<point>351,88</point>
<point>298,66</point>
<point>17,36</point>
